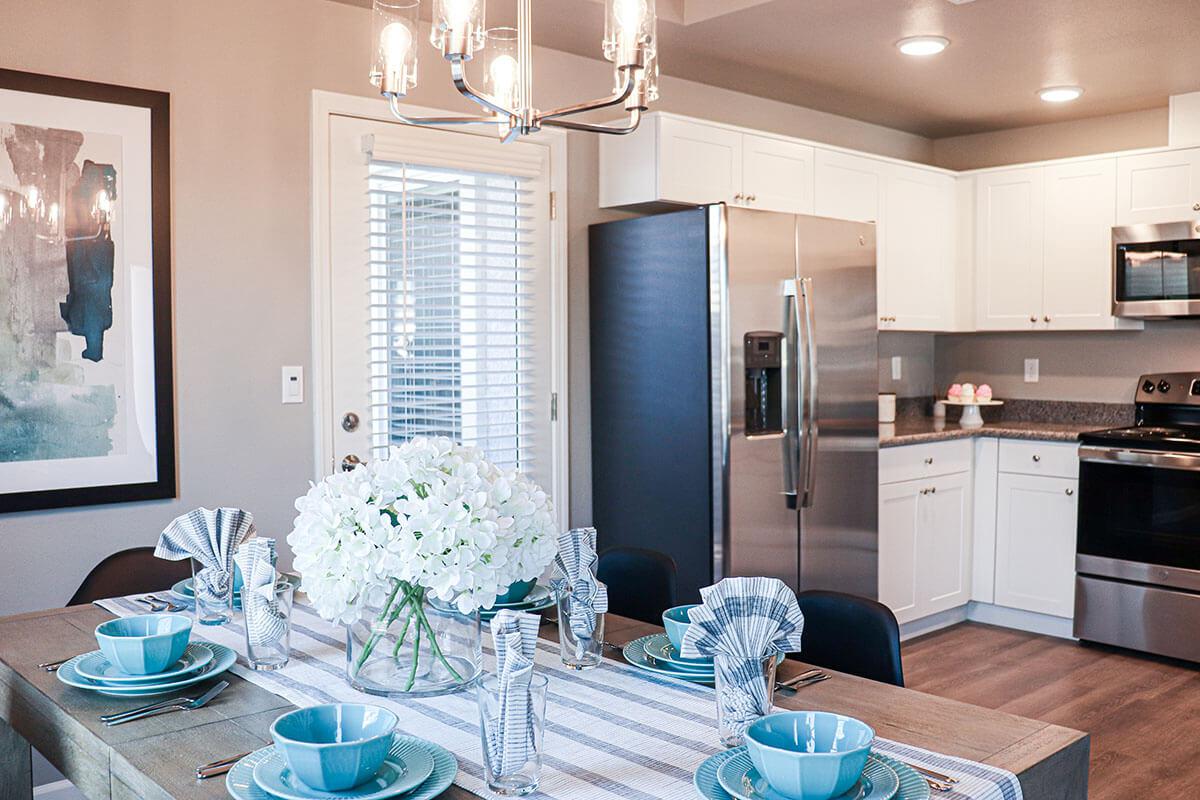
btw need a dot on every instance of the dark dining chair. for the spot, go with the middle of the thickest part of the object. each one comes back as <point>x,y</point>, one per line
<point>130,572</point>
<point>851,634</point>
<point>641,583</point>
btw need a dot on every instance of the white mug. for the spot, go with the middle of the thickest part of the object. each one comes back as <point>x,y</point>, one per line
<point>887,408</point>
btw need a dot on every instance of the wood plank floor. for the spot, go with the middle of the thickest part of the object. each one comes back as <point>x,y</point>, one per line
<point>1143,713</point>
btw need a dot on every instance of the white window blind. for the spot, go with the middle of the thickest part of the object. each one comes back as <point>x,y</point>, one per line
<point>451,306</point>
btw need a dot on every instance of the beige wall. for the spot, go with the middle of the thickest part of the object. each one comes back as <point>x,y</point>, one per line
<point>240,76</point>
<point>1057,140</point>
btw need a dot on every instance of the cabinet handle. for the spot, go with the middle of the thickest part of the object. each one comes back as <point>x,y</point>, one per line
<point>1036,457</point>
<point>929,460</point>
<point>752,197</point>
<point>1070,492</point>
<point>739,197</point>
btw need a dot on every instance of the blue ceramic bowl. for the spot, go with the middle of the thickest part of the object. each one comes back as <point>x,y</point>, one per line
<point>676,621</point>
<point>517,592</point>
<point>335,747</point>
<point>145,644</point>
<point>809,755</point>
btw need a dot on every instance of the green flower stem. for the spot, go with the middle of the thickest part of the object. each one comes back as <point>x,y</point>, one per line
<point>377,634</point>
<point>422,620</point>
<point>412,673</point>
<point>413,599</point>
<point>403,635</point>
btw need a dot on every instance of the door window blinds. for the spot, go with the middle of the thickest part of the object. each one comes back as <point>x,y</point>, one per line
<point>450,306</point>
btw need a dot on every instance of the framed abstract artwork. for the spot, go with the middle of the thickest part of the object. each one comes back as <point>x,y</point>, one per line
<point>86,391</point>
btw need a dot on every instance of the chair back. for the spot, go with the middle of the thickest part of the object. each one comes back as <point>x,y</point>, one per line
<point>641,583</point>
<point>130,572</point>
<point>851,634</point>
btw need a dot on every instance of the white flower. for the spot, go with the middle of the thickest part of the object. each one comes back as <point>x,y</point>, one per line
<point>434,514</point>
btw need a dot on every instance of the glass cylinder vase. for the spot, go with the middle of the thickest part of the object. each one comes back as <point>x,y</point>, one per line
<point>410,647</point>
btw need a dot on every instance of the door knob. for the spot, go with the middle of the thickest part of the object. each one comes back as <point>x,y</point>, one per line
<point>350,422</point>
<point>350,462</point>
<point>1070,492</point>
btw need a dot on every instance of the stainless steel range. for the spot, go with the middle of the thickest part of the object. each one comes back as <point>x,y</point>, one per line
<point>1137,566</point>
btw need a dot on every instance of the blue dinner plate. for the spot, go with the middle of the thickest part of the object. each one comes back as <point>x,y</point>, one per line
<point>538,595</point>
<point>660,649</point>
<point>241,786</point>
<point>223,659</point>
<point>705,779</point>
<point>708,785</point>
<point>912,785</point>
<point>95,666</point>
<point>739,778</point>
<point>401,773</point>
<point>635,654</point>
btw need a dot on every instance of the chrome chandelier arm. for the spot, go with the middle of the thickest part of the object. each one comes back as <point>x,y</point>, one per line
<point>394,105</point>
<point>579,108</point>
<point>458,74</point>
<point>635,117</point>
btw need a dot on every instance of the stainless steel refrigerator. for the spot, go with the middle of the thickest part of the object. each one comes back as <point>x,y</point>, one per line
<point>734,382</point>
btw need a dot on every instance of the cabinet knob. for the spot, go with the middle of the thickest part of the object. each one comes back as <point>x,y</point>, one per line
<point>1036,457</point>
<point>929,460</point>
<point>739,197</point>
<point>751,197</point>
<point>1070,492</point>
<point>1033,317</point>
<point>1046,318</point>
<point>1196,207</point>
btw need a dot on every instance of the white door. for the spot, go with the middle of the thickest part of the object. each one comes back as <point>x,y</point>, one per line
<point>851,187</point>
<point>439,292</point>
<point>917,288</point>
<point>1081,203</point>
<point>900,520</point>
<point>944,545</point>
<point>777,175</point>
<point>698,163</point>
<point>1010,214</point>
<point>1158,187</point>
<point>1035,543</point>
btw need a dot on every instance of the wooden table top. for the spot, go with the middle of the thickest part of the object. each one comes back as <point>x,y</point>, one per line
<point>156,757</point>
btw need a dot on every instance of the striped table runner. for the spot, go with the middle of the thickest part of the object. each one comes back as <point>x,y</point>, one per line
<point>612,733</point>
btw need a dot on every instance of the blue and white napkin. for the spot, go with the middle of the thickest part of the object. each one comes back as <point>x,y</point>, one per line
<point>211,537</point>
<point>575,567</point>
<point>265,622</point>
<point>510,736</point>
<point>741,622</point>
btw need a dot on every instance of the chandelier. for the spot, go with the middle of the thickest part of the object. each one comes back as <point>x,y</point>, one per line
<point>505,90</point>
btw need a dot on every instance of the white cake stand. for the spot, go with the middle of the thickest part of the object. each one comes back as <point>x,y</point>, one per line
<point>971,418</point>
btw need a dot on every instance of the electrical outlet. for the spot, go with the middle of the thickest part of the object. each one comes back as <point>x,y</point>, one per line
<point>1031,370</point>
<point>896,368</point>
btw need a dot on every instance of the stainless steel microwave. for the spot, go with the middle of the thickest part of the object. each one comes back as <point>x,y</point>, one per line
<point>1156,270</point>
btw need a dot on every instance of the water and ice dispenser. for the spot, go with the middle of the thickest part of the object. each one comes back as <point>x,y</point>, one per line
<point>763,359</point>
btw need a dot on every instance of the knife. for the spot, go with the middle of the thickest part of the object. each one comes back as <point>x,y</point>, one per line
<point>185,705</point>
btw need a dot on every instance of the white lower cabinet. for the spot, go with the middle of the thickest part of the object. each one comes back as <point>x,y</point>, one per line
<point>1035,543</point>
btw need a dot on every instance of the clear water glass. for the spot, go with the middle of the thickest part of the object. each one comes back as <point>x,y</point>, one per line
<point>272,652</point>
<point>512,765</point>
<point>745,690</point>
<point>210,608</point>
<point>578,652</point>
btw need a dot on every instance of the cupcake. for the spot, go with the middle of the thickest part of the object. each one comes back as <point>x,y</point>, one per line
<point>983,393</point>
<point>955,391</point>
<point>968,392</point>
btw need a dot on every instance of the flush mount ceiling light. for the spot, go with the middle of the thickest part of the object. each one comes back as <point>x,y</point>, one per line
<point>923,45</point>
<point>1060,94</point>
<point>506,88</point>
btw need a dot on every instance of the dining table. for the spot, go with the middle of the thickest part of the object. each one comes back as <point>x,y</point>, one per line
<point>156,758</point>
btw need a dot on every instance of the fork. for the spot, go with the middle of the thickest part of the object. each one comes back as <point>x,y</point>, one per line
<point>157,604</point>
<point>178,704</point>
<point>52,666</point>
<point>218,767</point>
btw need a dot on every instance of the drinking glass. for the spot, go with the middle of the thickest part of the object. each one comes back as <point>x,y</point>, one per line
<point>578,652</point>
<point>512,764</point>
<point>745,688</point>
<point>268,630</point>
<point>210,607</point>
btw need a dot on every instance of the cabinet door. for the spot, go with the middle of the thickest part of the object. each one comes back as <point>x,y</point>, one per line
<point>1010,214</point>
<point>1081,203</point>
<point>943,549</point>
<point>1158,187</point>
<point>777,175</point>
<point>917,287</point>
<point>698,163</point>
<point>1035,543</point>
<point>899,521</point>
<point>851,187</point>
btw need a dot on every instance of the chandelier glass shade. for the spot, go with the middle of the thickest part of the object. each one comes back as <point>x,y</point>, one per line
<point>504,63</point>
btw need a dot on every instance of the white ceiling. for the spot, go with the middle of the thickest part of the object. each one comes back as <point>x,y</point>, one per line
<point>839,55</point>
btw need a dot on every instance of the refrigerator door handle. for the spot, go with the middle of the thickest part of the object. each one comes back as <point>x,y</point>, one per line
<point>791,400</point>
<point>809,396</point>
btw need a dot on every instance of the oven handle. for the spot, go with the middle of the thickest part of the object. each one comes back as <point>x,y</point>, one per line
<point>1139,458</point>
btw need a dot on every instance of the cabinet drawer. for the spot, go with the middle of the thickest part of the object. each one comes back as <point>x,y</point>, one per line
<point>1055,459</point>
<point>913,461</point>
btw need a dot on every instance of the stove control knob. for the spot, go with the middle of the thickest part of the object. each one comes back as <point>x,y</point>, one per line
<point>1148,387</point>
<point>1164,387</point>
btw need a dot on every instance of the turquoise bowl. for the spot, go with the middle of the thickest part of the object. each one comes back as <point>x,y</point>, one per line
<point>335,747</point>
<point>516,592</point>
<point>676,621</point>
<point>145,644</point>
<point>809,755</point>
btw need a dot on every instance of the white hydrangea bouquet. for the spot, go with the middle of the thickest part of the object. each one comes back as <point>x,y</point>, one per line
<point>434,521</point>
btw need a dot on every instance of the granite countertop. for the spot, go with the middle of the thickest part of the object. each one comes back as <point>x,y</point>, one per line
<point>1041,420</point>
<point>927,429</point>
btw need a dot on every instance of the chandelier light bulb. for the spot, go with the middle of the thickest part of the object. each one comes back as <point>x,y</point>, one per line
<point>630,13</point>
<point>395,40</point>
<point>458,13</point>
<point>32,197</point>
<point>503,71</point>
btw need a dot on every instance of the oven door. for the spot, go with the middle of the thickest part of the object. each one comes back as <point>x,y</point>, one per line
<point>1156,270</point>
<point>1139,516</point>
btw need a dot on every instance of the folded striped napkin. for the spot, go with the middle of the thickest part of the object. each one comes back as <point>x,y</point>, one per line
<point>739,623</point>
<point>265,623</point>
<point>575,567</point>
<point>211,537</point>
<point>510,736</point>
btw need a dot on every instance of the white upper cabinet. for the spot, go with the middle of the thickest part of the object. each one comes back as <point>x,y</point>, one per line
<point>850,187</point>
<point>918,278</point>
<point>698,163</point>
<point>1158,187</point>
<point>777,175</point>
<point>1009,231</point>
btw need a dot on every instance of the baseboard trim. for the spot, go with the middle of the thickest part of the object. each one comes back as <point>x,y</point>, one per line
<point>989,614</point>
<point>934,622</point>
<point>51,788</point>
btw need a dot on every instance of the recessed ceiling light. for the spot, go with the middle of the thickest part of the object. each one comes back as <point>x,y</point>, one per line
<point>923,45</point>
<point>1060,94</point>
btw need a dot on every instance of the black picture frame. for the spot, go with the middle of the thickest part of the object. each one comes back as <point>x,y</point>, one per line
<point>159,106</point>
